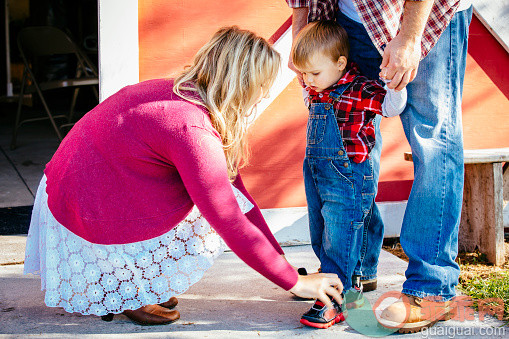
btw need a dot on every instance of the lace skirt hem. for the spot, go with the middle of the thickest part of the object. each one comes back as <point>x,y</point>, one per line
<point>99,279</point>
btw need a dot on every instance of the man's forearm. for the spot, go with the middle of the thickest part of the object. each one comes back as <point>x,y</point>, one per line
<point>415,16</point>
<point>299,19</point>
<point>401,56</point>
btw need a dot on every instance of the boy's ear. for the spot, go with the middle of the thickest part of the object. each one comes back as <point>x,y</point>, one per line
<point>342,62</point>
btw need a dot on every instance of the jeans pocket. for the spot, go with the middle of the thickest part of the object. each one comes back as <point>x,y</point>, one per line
<point>367,201</point>
<point>316,128</point>
<point>342,170</point>
<point>368,188</point>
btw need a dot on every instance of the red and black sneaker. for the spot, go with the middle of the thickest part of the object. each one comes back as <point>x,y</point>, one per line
<point>320,316</point>
<point>354,297</point>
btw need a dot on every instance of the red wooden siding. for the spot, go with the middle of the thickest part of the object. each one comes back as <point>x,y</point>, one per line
<point>171,32</point>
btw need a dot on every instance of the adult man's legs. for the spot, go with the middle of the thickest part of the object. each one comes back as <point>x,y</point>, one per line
<point>429,236</point>
<point>432,124</point>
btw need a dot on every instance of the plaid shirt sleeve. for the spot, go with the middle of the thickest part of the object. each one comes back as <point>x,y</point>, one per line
<point>382,18</point>
<point>297,3</point>
<point>355,112</point>
<point>318,9</point>
<point>372,95</point>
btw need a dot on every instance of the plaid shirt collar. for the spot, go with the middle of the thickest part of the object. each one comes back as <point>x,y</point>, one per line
<point>352,71</point>
<point>382,18</point>
<point>355,110</point>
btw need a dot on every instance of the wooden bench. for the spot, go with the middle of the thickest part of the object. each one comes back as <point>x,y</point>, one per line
<point>482,224</point>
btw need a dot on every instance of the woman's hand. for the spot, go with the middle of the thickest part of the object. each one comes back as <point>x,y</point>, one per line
<point>319,286</point>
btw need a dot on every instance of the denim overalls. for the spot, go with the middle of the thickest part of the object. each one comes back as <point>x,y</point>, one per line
<point>339,193</point>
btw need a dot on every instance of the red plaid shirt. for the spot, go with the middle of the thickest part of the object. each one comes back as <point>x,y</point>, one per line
<point>355,111</point>
<point>382,18</point>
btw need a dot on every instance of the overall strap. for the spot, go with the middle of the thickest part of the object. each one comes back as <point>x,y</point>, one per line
<point>338,91</point>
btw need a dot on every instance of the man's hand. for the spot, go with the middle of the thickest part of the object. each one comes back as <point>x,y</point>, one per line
<point>400,61</point>
<point>402,54</point>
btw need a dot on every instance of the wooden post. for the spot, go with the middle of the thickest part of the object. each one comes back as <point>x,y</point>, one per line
<point>506,181</point>
<point>482,218</point>
<point>482,224</point>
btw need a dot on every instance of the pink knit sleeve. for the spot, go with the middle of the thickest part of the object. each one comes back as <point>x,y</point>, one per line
<point>199,158</point>
<point>256,217</point>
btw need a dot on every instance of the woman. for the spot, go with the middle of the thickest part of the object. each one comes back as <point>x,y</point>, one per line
<point>126,215</point>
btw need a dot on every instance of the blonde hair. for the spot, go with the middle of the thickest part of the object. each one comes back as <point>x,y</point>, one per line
<point>327,37</point>
<point>229,73</point>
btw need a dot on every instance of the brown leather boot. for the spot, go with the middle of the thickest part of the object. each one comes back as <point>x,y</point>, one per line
<point>369,285</point>
<point>412,314</point>
<point>152,315</point>
<point>170,303</point>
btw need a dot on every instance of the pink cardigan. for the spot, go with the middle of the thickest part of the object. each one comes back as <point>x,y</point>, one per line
<point>133,167</point>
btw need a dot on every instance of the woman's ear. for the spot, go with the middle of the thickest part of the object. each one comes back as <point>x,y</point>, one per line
<point>342,62</point>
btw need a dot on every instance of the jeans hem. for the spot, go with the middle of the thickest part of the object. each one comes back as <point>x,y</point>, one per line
<point>429,296</point>
<point>368,277</point>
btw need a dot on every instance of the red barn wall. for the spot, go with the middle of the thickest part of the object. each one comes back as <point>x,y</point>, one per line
<point>171,32</point>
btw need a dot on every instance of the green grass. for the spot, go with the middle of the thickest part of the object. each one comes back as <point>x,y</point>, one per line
<point>482,286</point>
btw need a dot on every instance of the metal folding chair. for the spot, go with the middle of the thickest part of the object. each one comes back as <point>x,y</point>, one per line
<point>46,41</point>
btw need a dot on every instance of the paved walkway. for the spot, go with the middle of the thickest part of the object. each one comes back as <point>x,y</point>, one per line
<point>21,169</point>
<point>231,301</point>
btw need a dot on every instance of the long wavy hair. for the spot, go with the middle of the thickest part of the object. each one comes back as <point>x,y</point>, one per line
<point>230,74</point>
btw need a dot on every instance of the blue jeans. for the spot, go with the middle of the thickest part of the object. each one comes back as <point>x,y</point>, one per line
<point>339,192</point>
<point>366,56</point>
<point>433,128</point>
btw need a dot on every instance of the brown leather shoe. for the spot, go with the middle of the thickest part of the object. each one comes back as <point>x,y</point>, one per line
<point>170,303</point>
<point>152,315</point>
<point>412,314</point>
<point>369,285</point>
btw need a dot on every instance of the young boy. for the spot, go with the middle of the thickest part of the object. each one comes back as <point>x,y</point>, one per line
<point>338,174</point>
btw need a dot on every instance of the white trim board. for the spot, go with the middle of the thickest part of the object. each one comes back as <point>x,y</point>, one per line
<point>118,45</point>
<point>285,76</point>
<point>494,15</point>
<point>290,225</point>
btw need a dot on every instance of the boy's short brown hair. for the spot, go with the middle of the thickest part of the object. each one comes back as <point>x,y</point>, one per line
<point>327,37</point>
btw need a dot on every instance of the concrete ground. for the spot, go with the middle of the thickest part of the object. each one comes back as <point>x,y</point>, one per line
<point>231,301</point>
<point>21,169</point>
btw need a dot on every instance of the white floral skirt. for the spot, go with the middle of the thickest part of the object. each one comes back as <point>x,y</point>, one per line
<point>98,279</point>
